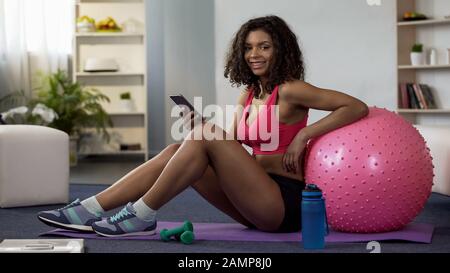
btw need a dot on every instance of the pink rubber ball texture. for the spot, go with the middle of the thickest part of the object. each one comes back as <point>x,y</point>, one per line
<point>376,174</point>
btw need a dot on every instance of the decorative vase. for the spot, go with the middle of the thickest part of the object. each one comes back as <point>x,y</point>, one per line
<point>417,58</point>
<point>127,105</point>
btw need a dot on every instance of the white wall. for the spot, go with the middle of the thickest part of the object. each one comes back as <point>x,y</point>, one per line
<point>189,52</point>
<point>155,79</point>
<point>181,60</point>
<point>348,46</point>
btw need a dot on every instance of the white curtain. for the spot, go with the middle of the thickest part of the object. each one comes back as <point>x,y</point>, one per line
<point>3,84</point>
<point>34,35</point>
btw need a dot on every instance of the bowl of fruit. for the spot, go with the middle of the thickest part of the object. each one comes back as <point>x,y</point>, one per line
<point>108,25</point>
<point>85,24</point>
<point>414,16</point>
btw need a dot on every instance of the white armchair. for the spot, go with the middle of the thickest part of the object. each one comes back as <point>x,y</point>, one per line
<point>34,166</point>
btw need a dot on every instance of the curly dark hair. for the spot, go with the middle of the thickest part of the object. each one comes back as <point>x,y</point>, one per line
<point>288,58</point>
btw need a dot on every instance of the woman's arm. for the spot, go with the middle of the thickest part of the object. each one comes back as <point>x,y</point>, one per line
<point>344,109</point>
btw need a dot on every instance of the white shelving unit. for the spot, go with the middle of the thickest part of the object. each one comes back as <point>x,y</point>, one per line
<point>429,32</point>
<point>442,66</point>
<point>424,22</point>
<point>129,51</point>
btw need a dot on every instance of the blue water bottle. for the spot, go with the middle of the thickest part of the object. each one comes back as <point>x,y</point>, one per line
<point>314,220</point>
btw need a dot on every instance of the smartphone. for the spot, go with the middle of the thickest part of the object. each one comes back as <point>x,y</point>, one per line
<point>181,100</point>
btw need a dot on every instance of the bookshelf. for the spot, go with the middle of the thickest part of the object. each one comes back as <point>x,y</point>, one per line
<point>443,66</point>
<point>432,33</point>
<point>128,49</point>
<point>423,22</point>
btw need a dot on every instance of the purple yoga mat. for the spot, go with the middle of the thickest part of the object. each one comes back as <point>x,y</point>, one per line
<point>414,232</point>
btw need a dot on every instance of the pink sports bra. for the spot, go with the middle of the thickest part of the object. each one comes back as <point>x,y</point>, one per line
<point>263,135</point>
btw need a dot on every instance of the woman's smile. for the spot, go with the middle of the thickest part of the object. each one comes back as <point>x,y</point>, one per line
<point>255,65</point>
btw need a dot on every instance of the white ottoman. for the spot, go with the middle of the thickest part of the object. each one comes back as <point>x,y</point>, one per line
<point>34,166</point>
<point>438,140</point>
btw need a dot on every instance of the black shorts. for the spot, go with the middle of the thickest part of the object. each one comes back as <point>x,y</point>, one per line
<point>291,191</point>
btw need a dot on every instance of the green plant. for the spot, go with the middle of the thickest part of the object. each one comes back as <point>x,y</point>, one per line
<point>125,96</point>
<point>76,107</point>
<point>417,48</point>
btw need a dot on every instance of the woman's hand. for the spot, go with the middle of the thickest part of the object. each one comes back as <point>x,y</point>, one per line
<point>293,155</point>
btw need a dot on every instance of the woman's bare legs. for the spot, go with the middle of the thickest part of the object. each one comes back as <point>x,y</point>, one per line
<point>210,189</point>
<point>245,183</point>
<point>136,183</point>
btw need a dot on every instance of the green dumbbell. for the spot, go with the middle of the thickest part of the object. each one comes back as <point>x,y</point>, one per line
<point>187,237</point>
<point>166,234</point>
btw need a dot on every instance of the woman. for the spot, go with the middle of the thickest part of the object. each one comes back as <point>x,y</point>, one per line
<point>262,190</point>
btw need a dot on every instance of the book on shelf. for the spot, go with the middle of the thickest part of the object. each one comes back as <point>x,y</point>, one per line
<point>403,97</point>
<point>426,90</point>
<point>416,96</point>
<point>414,102</point>
<point>419,96</point>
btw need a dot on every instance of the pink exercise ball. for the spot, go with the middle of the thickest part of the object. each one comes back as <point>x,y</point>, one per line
<point>376,174</point>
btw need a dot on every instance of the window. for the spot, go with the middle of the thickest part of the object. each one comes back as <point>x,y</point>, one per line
<point>38,24</point>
